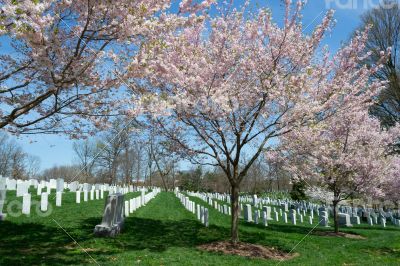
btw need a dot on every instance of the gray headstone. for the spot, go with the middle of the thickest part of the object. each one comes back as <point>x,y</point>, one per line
<point>113,217</point>
<point>355,220</point>
<point>344,219</point>
<point>247,213</point>
<point>2,200</point>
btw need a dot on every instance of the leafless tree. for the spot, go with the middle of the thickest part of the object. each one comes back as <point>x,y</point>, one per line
<point>385,33</point>
<point>86,156</point>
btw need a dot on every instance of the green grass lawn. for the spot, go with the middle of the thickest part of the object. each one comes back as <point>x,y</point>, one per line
<point>165,233</point>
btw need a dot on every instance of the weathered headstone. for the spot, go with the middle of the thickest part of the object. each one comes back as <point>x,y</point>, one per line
<point>205,217</point>
<point>323,218</point>
<point>256,216</point>
<point>355,220</point>
<point>113,216</point>
<point>247,213</point>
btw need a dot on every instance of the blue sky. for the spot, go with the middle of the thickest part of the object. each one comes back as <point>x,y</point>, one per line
<point>57,149</point>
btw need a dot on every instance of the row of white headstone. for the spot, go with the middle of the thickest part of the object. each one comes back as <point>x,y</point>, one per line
<point>133,204</point>
<point>201,212</point>
<point>93,194</point>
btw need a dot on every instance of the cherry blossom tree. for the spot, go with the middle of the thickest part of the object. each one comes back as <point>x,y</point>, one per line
<point>392,186</point>
<point>60,58</point>
<point>347,154</point>
<point>232,84</point>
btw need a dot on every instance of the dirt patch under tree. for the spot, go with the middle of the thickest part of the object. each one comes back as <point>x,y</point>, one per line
<point>247,250</point>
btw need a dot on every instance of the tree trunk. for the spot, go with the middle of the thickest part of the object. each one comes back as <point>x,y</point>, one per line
<point>235,214</point>
<point>336,216</point>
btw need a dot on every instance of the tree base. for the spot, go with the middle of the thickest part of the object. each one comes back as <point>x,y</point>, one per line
<point>247,250</point>
<point>339,234</point>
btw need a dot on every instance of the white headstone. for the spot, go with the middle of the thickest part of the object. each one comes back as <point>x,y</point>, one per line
<point>285,217</point>
<point>11,184</point>
<point>39,190</point>
<point>202,214</point>
<point>198,212</point>
<point>26,204</point>
<point>58,198</point>
<point>267,210</point>
<point>78,196</point>
<point>265,219</point>
<point>59,185</point>
<point>3,193</point>
<point>85,195</point>
<point>44,202</point>
<point>143,193</point>
<point>255,200</point>
<point>293,216</point>
<point>126,207</point>
<point>22,188</point>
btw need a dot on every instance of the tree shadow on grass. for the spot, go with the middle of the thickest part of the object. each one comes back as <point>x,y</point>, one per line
<point>37,244</point>
<point>33,244</point>
<point>159,235</point>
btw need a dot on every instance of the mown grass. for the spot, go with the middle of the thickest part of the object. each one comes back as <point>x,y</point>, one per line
<point>164,233</point>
